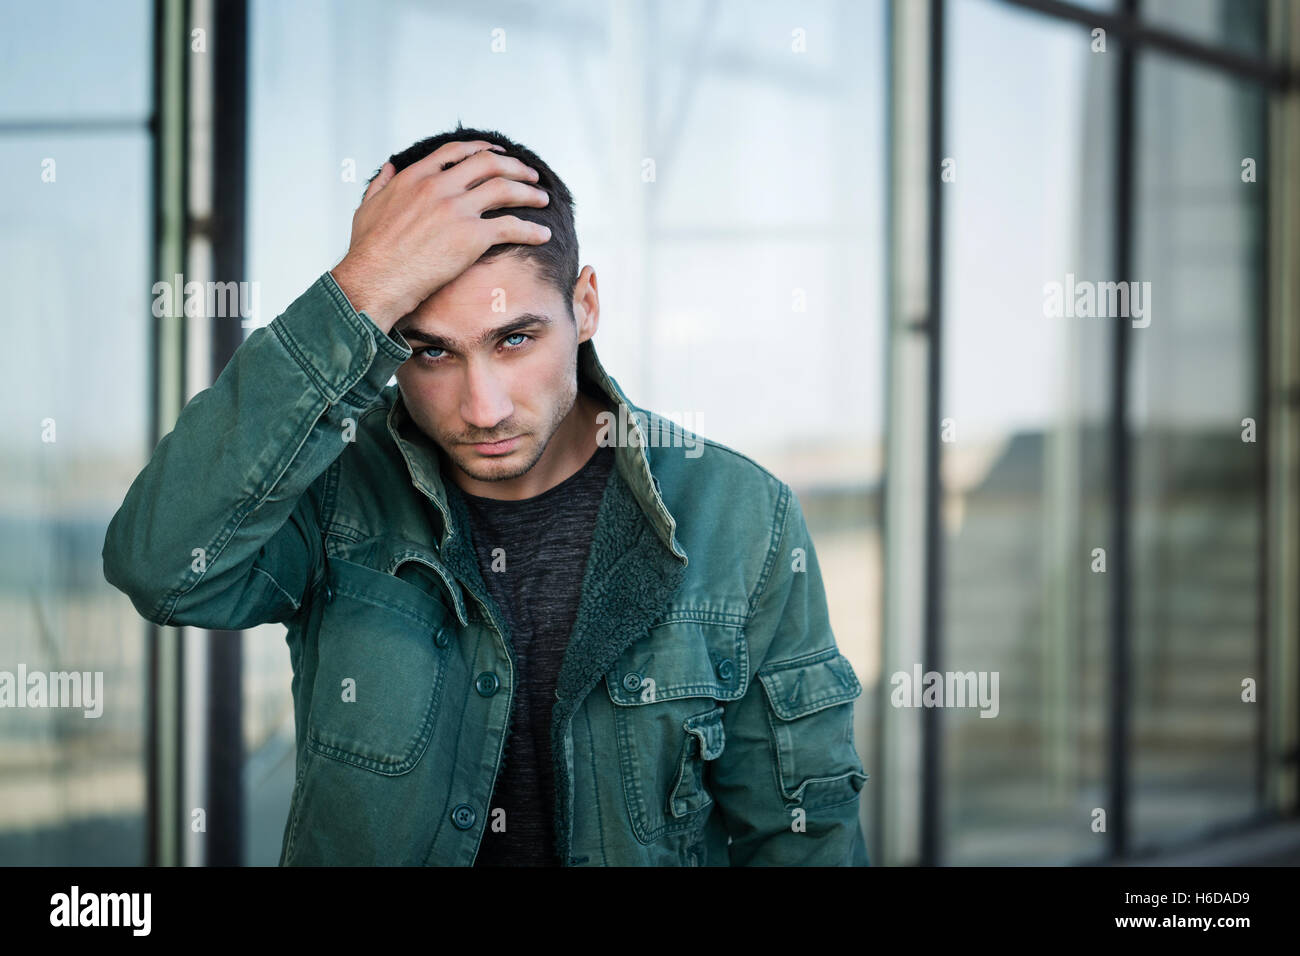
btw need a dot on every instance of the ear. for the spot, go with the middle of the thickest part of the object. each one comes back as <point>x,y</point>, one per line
<point>586,303</point>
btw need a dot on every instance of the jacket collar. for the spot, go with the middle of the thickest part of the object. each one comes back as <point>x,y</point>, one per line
<point>630,458</point>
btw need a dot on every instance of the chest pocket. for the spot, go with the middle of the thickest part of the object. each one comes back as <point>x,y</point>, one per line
<point>670,690</point>
<point>380,669</point>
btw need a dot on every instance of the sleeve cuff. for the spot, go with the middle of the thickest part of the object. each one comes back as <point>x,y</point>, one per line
<point>343,352</point>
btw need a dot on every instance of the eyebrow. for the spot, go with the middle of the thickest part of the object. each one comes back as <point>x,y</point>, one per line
<point>519,323</point>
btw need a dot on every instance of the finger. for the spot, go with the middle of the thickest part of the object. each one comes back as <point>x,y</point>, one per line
<point>386,172</point>
<point>512,229</point>
<point>481,170</point>
<point>448,154</point>
<point>500,193</point>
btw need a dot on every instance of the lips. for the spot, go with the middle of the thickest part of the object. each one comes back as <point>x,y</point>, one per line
<point>503,447</point>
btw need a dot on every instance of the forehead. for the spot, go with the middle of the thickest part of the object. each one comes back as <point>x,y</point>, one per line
<point>484,295</point>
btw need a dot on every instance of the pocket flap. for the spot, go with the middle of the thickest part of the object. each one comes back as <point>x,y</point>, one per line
<point>708,730</point>
<point>682,659</point>
<point>806,685</point>
<point>389,592</point>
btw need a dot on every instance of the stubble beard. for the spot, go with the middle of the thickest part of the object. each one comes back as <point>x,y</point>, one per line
<point>492,470</point>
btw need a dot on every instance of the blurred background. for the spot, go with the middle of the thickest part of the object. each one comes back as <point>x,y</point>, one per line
<point>837,266</point>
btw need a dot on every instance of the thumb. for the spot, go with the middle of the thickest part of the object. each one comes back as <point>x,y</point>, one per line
<point>386,172</point>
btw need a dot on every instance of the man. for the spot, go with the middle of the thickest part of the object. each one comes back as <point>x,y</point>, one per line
<point>529,622</point>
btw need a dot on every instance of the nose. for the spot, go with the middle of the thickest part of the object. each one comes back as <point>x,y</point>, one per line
<point>485,402</point>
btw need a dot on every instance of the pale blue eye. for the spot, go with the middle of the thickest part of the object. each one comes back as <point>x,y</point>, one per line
<point>517,335</point>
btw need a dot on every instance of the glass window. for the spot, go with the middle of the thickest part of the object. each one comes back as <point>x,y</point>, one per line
<point>74,243</point>
<point>1236,25</point>
<point>76,60</point>
<point>1198,497</point>
<point>1025,403</point>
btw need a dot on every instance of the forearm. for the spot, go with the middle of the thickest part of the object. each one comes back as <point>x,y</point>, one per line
<point>195,540</point>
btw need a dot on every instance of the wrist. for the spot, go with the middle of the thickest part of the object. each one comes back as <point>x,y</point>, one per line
<point>362,298</point>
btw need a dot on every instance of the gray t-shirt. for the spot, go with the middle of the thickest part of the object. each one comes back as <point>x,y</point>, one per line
<point>544,542</point>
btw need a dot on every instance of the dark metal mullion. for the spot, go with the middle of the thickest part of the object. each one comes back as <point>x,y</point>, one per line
<point>876,837</point>
<point>1117,824</point>
<point>158,679</point>
<point>931,720</point>
<point>152,631</point>
<point>182,818</point>
<point>160,124</point>
<point>1263,381</point>
<point>225,734</point>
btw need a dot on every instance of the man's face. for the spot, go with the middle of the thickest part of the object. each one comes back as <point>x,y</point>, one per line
<point>495,358</point>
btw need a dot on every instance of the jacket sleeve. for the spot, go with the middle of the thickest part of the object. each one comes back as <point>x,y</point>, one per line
<point>788,778</point>
<point>221,528</point>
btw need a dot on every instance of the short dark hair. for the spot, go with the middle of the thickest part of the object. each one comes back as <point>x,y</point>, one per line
<point>556,260</point>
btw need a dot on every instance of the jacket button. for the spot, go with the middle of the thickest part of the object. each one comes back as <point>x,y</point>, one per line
<point>632,682</point>
<point>487,684</point>
<point>463,817</point>
<point>329,593</point>
<point>440,639</point>
<point>726,669</point>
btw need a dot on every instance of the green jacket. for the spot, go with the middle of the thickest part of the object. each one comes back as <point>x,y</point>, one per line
<point>704,713</point>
